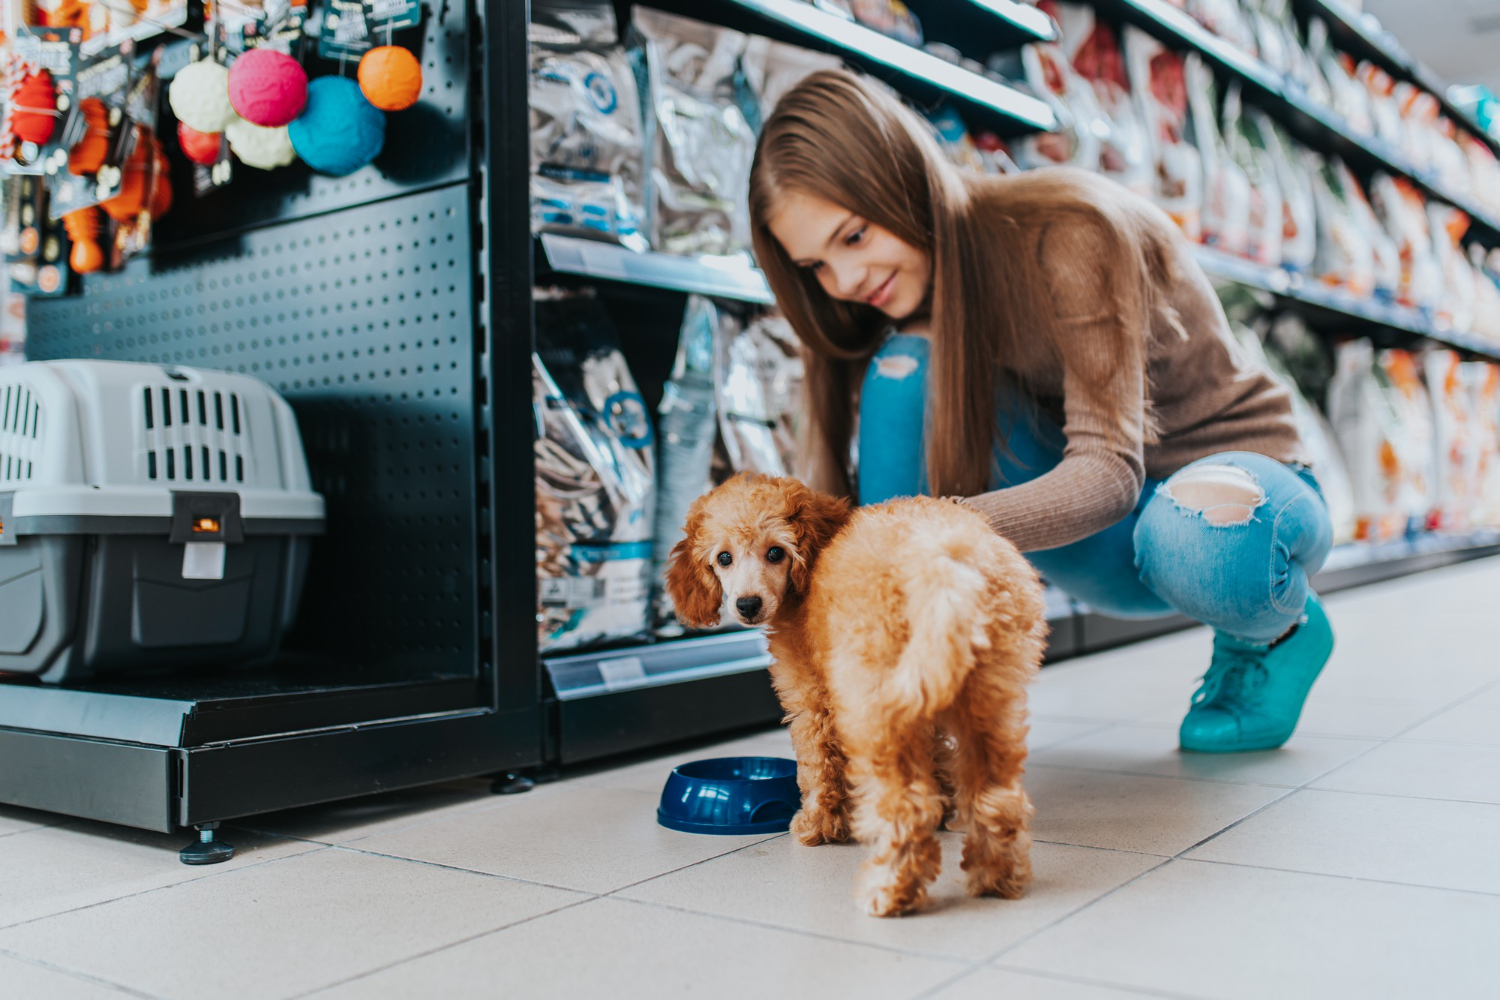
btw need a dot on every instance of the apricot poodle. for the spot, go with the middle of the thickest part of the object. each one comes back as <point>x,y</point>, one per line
<point>902,637</point>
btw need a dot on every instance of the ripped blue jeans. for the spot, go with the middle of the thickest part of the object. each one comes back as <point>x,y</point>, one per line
<point>1230,540</point>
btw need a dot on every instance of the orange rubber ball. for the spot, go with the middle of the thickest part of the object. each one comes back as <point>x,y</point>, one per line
<point>390,77</point>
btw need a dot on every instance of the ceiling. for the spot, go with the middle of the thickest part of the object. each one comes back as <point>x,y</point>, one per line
<point>1458,39</point>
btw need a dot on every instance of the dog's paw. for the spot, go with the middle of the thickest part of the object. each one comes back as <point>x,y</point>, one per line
<point>890,899</point>
<point>1006,885</point>
<point>820,827</point>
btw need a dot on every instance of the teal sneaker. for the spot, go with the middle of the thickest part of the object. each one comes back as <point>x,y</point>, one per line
<point>1252,695</point>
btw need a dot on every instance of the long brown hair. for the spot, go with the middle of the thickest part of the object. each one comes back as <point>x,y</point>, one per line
<point>994,307</point>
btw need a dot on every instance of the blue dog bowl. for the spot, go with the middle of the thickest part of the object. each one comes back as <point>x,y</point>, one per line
<point>731,795</point>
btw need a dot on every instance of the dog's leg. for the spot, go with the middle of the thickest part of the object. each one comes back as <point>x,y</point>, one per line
<point>821,774</point>
<point>988,764</point>
<point>898,806</point>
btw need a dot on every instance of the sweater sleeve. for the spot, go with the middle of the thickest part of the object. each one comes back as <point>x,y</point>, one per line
<point>1099,479</point>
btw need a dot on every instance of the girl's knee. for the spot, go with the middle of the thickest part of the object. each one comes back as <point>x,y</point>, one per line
<point>1222,495</point>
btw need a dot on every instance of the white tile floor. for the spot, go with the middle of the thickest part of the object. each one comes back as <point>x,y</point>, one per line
<point>1358,861</point>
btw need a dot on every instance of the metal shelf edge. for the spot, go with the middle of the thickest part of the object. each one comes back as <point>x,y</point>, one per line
<point>859,40</point>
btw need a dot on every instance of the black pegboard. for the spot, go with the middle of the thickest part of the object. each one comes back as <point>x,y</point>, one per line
<point>426,145</point>
<point>363,319</point>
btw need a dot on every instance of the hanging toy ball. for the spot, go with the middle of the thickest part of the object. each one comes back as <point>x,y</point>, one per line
<point>267,87</point>
<point>390,77</point>
<point>83,229</point>
<point>34,111</point>
<point>258,147</point>
<point>340,131</point>
<point>199,96</point>
<point>201,148</point>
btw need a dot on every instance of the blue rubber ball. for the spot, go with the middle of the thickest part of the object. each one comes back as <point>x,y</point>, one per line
<point>339,131</point>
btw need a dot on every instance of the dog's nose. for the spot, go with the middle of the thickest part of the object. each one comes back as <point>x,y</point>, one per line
<point>748,607</point>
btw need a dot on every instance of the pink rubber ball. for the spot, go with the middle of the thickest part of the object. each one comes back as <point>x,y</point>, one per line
<point>267,88</point>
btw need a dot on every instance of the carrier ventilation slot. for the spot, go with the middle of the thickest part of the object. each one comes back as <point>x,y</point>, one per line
<point>206,418</point>
<point>20,420</point>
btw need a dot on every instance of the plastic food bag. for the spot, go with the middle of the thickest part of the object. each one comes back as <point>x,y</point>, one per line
<point>587,153</point>
<point>688,425</point>
<point>1095,54</point>
<point>595,479</point>
<point>1384,255</point>
<point>758,380</point>
<point>1299,230</point>
<point>1076,139</point>
<point>1456,306</point>
<point>1402,211</point>
<point>1455,442</point>
<point>1226,189</point>
<point>1367,421</point>
<point>773,68</point>
<point>1158,78</point>
<point>1482,379</point>
<point>701,142</point>
<point>1245,146</point>
<point>1345,258</point>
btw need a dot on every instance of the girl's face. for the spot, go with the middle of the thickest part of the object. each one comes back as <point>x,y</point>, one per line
<point>853,259</point>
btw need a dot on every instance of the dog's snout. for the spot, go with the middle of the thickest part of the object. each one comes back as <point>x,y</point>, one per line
<point>748,607</point>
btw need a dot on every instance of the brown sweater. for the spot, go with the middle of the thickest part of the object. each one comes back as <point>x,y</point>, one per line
<point>1203,394</point>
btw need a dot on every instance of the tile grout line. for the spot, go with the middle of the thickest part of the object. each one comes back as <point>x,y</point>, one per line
<point>1347,878</point>
<point>74,974</point>
<point>1084,981</point>
<point>161,888</point>
<point>440,948</point>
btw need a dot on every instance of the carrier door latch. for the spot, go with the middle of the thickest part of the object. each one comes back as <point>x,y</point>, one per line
<point>206,517</point>
<point>7,520</point>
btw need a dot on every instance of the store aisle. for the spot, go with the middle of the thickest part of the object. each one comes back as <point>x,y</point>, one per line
<point>1357,861</point>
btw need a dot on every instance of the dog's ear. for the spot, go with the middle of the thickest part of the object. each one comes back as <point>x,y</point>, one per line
<point>693,587</point>
<point>815,518</point>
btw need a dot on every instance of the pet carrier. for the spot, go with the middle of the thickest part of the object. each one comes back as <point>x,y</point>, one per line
<point>150,516</point>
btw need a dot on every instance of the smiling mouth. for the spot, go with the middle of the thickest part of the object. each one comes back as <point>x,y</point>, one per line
<point>882,295</point>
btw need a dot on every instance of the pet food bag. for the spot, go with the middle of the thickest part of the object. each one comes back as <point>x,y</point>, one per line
<point>1345,258</point>
<point>1075,141</point>
<point>1226,188</point>
<point>1456,305</point>
<point>758,382</point>
<point>1095,54</point>
<point>773,68</point>
<point>587,152</point>
<point>1402,211</point>
<point>595,478</point>
<point>1299,235</point>
<point>1246,148</point>
<point>1482,380</point>
<point>1366,420</point>
<point>688,426</point>
<point>1456,442</point>
<point>1384,256</point>
<point>701,142</point>
<point>1158,77</point>
<point>1417,441</point>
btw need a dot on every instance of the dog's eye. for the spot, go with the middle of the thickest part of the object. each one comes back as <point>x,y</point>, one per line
<point>725,558</point>
<point>776,554</point>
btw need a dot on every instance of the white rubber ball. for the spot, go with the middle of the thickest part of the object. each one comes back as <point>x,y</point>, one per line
<point>256,146</point>
<point>199,96</point>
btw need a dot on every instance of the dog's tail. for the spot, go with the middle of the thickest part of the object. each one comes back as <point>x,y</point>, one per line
<point>946,610</point>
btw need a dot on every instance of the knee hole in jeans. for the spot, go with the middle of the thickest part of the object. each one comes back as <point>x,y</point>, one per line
<point>1223,495</point>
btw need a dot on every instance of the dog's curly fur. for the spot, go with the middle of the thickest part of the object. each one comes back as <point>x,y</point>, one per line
<point>903,636</point>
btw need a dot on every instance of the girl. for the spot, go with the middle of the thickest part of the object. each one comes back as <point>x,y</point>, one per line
<point>1044,346</point>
